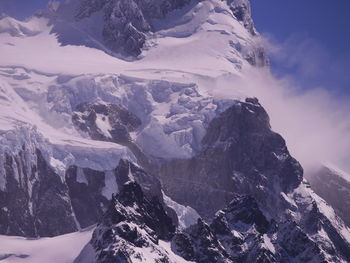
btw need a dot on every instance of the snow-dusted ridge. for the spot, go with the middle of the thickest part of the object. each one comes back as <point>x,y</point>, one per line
<point>79,121</point>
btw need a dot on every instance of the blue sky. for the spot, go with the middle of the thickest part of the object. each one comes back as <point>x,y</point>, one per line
<point>309,40</point>
<point>312,39</point>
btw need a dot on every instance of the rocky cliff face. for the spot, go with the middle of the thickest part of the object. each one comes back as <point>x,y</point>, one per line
<point>166,126</point>
<point>126,24</point>
<point>333,187</point>
<point>128,27</point>
<point>238,233</point>
<point>249,159</point>
<point>34,200</point>
<point>109,122</point>
<point>131,229</point>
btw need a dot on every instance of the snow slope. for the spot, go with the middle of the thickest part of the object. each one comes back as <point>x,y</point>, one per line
<point>63,249</point>
<point>173,87</point>
<point>207,36</point>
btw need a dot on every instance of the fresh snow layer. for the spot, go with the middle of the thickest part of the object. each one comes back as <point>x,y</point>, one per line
<point>207,36</point>
<point>60,249</point>
<point>42,81</point>
<point>187,216</point>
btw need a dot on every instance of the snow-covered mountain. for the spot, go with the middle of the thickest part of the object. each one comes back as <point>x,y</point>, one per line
<point>131,115</point>
<point>333,185</point>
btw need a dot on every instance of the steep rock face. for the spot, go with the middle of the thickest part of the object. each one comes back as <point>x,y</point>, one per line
<point>126,28</point>
<point>241,10</point>
<point>334,188</point>
<point>90,191</point>
<point>86,193</point>
<point>34,201</point>
<point>241,233</point>
<point>131,228</point>
<point>109,122</point>
<point>252,160</point>
<point>249,159</point>
<point>135,228</point>
<point>37,199</point>
<point>126,22</point>
<point>236,234</point>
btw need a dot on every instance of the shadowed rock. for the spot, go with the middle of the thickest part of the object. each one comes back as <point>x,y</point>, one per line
<point>240,154</point>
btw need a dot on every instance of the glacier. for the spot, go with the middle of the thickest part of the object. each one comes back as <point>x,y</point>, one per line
<point>115,99</point>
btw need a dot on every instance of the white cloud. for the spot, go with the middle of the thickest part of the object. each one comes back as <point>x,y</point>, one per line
<point>314,122</point>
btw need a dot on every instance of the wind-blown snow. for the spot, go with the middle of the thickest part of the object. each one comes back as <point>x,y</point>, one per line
<point>193,68</point>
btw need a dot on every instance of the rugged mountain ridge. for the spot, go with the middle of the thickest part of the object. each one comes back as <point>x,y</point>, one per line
<point>127,23</point>
<point>126,27</point>
<point>331,184</point>
<point>34,200</point>
<point>171,118</point>
<point>238,233</point>
<point>249,159</point>
<point>38,202</point>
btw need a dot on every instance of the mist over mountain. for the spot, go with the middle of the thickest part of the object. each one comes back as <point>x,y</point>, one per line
<point>154,131</point>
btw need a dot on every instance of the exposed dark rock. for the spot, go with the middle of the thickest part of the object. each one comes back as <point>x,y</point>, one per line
<point>126,22</point>
<point>124,26</point>
<point>150,185</point>
<point>231,237</point>
<point>183,245</point>
<point>105,122</point>
<point>249,159</point>
<point>245,210</point>
<point>296,244</point>
<point>35,204</point>
<point>87,199</point>
<point>132,221</point>
<point>241,10</point>
<point>333,188</point>
<point>235,236</point>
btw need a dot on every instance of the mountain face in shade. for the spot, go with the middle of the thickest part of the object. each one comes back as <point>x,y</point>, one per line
<point>333,186</point>
<point>125,25</point>
<point>249,159</point>
<point>131,119</point>
<point>137,228</point>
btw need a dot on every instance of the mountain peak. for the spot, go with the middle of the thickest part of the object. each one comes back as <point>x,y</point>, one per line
<point>125,26</point>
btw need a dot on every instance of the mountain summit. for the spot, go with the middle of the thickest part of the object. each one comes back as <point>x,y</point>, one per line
<point>130,121</point>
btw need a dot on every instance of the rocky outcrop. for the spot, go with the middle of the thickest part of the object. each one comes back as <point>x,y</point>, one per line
<point>126,22</point>
<point>332,186</point>
<point>249,159</point>
<point>86,192</point>
<point>125,28</point>
<point>135,229</point>
<point>90,191</point>
<point>242,11</point>
<point>131,228</point>
<point>34,201</point>
<point>236,234</point>
<point>105,122</point>
<point>253,161</point>
<point>241,233</point>
<point>110,122</point>
<point>37,202</point>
